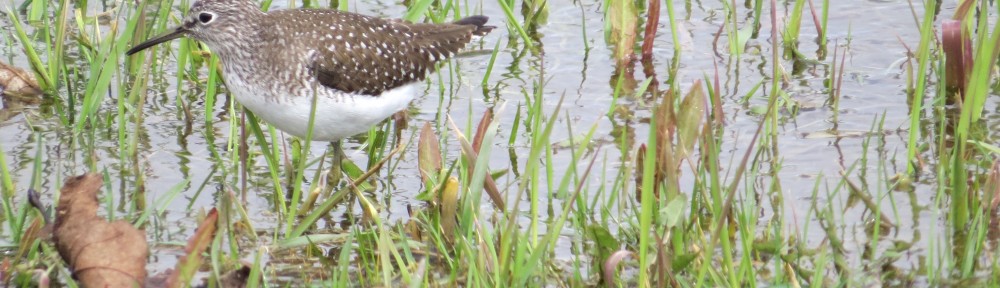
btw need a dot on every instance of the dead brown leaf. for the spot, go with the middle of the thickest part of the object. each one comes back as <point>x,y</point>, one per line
<point>484,125</point>
<point>100,254</point>
<point>652,20</point>
<point>5,270</point>
<point>198,242</point>
<point>477,142</point>
<point>957,45</point>
<point>17,83</point>
<point>470,155</point>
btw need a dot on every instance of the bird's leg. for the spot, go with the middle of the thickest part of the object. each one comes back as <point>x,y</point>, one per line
<point>336,169</point>
<point>401,123</point>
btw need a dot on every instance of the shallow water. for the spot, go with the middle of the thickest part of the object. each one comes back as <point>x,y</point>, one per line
<point>873,32</point>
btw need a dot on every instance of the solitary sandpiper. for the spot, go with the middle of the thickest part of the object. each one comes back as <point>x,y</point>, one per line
<point>361,69</point>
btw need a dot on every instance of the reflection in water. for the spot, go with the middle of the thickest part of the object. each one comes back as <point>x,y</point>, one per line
<point>18,91</point>
<point>11,107</point>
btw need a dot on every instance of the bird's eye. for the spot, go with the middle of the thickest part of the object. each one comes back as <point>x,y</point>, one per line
<point>205,17</point>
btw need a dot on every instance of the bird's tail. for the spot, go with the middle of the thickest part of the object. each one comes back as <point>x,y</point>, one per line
<point>479,21</point>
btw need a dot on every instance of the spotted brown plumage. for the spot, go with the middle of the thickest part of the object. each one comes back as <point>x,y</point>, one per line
<point>361,69</point>
<point>381,55</point>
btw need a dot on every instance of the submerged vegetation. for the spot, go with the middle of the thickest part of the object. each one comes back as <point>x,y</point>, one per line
<point>582,143</point>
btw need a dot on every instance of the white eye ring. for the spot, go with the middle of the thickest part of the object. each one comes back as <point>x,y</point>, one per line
<point>206,17</point>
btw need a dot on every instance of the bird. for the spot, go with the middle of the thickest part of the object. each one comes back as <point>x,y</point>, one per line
<point>360,69</point>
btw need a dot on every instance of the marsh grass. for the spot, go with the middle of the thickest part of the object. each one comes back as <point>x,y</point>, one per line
<point>679,203</point>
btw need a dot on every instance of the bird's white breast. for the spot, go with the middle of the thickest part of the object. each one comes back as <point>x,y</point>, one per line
<point>338,115</point>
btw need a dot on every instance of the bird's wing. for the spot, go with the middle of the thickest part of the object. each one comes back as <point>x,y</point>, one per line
<point>368,55</point>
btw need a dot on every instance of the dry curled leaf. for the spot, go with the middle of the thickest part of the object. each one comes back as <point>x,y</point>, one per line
<point>100,253</point>
<point>957,45</point>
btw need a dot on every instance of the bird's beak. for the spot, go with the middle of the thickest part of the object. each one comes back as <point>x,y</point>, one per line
<point>178,32</point>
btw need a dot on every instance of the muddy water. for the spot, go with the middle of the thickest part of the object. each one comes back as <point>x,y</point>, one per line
<point>576,63</point>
